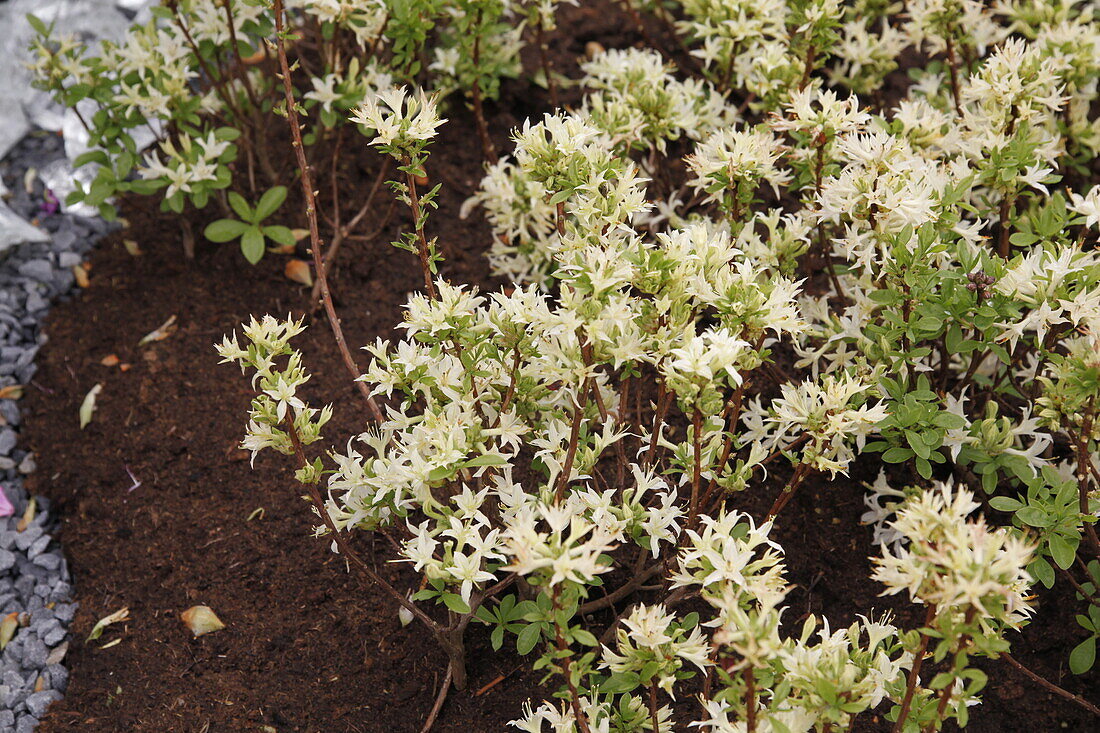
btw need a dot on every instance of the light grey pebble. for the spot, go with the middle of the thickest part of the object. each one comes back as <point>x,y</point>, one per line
<point>7,438</point>
<point>38,546</point>
<point>26,724</point>
<point>64,612</point>
<point>7,560</point>
<point>50,561</point>
<point>34,652</point>
<point>59,677</point>
<point>39,701</point>
<point>68,260</point>
<point>7,720</point>
<point>27,537</point>
<point>40,270</point>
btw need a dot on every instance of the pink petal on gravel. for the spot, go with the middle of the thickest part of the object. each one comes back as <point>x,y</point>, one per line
<point>6,509</point>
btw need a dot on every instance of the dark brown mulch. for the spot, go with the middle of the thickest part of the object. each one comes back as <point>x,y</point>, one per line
<point>308,646</point>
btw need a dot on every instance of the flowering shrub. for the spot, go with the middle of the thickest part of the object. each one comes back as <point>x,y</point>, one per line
<point>196,84</point>
<point>831,275</point>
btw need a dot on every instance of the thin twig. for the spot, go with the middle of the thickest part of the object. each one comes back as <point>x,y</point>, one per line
<point>311,215</point>
<point>438,701</point>
<point>1050,686</point>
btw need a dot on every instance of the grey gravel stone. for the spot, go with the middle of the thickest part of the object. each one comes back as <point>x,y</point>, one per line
<point>34,652</point>
<point>26,724</point>
<point>39,701</point>
<point>40,270</point>
<point>7,560</point>
<point>26,538</point>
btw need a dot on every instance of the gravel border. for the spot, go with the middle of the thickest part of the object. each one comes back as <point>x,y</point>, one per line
<point>35,587</point>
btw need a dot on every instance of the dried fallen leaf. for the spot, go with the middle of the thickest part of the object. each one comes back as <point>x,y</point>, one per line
<point>162,332</point>
<point>201,620</point>
<point>81,276</point>
<point>111,643</point>
<point>299,234</point>
<point>124,367</point>
<point>592,49</point>
<point>28,515</point>
<point>11,392</point>
<point>122,614</point>
<point>132,247</point>
<point>299,272</point>
<point>7,628</point>
<point>58,653</point>
<point>87,407</point>
<point>110,360</point>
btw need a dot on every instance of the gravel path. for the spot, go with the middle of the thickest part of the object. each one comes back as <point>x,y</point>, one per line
<point>35,591</point>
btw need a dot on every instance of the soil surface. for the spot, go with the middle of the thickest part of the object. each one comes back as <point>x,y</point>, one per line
<point>161,511</point>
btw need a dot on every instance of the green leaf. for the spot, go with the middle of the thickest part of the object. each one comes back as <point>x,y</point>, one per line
<point>1042,570</point>
<point>37,24</point>
<point>949,421</point>
<point>454,602</point>
<point>1083,656</point>
<point>487,459</point>
<point>497,638</point>
<point>620,682</point>
<point>240,206</point>
<point>584,637</point>
<point>1063,551</point>
<point>271,200</point>
<point>224,230</point>
<point>1034,516</point>
<point>252,245</point>
<point>528,638</point>
<point>897,454</point>
<point>1005,503</point>
<point>280,234</point>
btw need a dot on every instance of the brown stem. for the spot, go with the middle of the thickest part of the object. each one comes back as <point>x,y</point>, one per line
<point>566,656</point>
<point>664,399</point>
<point>487,148</point>
<point>696,463</point>
<point>422,249</point>
<point>1050,686</point>
<point>574,439</point>
<point>241,68</point>
<point>621,592</point>
<point>311,215</point>
<point>444,688</point>
<point>801,471</point>
<point>1090,597</point>
<point>914,672</point>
